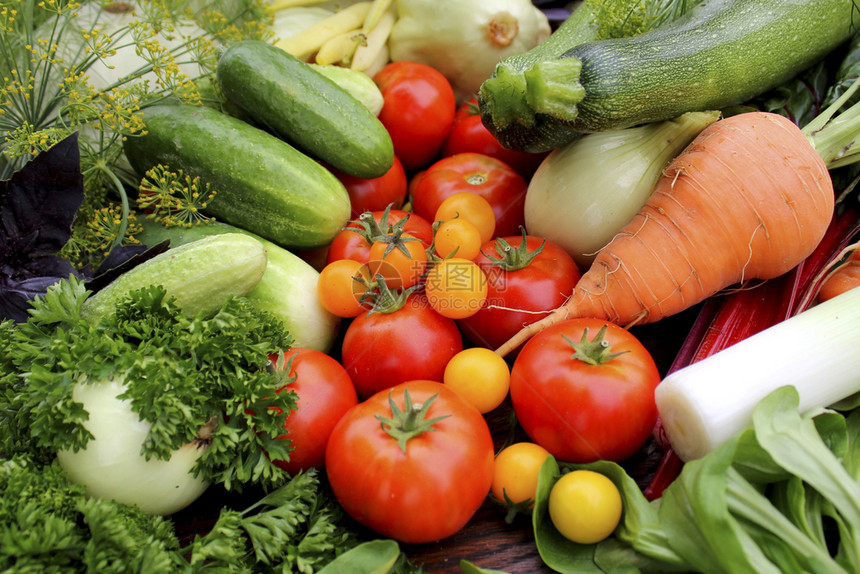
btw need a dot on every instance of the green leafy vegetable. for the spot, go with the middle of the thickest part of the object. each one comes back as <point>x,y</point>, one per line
<point>181,375</point>
<point>48,524</point>
<point>92,67</point>
<point>779,497</point>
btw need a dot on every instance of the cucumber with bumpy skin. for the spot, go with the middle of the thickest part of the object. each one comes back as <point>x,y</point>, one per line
<point>720,53</point>
<point>262,184</point>
<point>287,289</point>
<point>200,275</point>
<point>305,107</point>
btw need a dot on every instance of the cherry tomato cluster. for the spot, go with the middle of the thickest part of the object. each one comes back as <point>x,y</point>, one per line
<point>433,272</point>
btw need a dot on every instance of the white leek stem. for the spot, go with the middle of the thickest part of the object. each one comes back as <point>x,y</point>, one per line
<point>816,351</point>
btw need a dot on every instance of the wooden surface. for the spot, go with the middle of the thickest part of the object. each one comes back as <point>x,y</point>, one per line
<point>487,541</point>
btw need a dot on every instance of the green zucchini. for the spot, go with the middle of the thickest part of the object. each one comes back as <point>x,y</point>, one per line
<point>262,184</point>
<point>720,53</point>
<point>287,289</point>
<point>305,107</point>
<point>200,275</point>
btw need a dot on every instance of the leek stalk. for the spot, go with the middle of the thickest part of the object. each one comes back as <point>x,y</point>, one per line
<point>709,401</point>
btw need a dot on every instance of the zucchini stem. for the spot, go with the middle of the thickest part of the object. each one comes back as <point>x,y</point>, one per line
<point>553,88</point>
<point>550,87</point>
<point>503,95</point>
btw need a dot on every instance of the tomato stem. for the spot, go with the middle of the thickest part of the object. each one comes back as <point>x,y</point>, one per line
<point>476,179</point>
<point>371,230</point>
<point>594,352</point>
<point>513,259</point>
<point>410,422</point>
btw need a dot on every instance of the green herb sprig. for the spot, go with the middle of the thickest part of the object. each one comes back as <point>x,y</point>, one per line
<point>181,375</point>
<point>58,62</point>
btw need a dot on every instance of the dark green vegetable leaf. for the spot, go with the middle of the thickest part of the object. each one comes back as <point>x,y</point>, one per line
<point>469,568</point>
<point>555,550</point>
<point>48,524</point>
<point>795,444</point>
<point>372,557</point>
<point>296,528</point>
<point>847,72</point>
<point>189,378</point>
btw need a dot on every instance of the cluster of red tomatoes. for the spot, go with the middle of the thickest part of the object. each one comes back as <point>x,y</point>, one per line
<point>434,272</point>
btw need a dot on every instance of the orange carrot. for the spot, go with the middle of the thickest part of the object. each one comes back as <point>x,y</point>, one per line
<point>748,198</point>
<point>844,277</point>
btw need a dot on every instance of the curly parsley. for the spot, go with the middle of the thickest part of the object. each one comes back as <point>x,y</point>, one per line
<point>205,379</point>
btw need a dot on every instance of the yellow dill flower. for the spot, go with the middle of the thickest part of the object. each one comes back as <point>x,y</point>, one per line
<point>175,199</point>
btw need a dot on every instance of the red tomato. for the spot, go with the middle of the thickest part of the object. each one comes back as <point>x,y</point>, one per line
<point>583,412</point>
<point>377,193</point>
<point>541,285</point>
<point>425,491</point>
<point>354,243</point>
<point>325,393</point>
<point>486,176</point>
<point>468,134</point>
<point>418,110</point>
<point>383,349</point>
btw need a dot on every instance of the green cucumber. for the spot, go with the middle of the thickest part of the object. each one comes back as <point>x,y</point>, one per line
<point>287,289</point>
<point>262,184</point>
<point>200,275</point>
<point>720,53</point>
<point>305,107</point>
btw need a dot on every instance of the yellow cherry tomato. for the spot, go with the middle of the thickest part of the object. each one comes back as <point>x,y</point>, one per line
<point>480,376</point>
<point>585,506</point>
<point>460,235</point>
<point>472,207</point>
<point>456,288</point>
<point>515,475</point>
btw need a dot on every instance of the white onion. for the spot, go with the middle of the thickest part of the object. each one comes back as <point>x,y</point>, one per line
<point>111,466</point>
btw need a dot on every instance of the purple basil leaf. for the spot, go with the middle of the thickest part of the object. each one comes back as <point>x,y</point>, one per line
<point>121,259</point>
<point>39,205</point>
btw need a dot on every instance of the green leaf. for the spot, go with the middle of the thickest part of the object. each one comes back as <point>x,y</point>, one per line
<point>794,443</point>
<point>556,551</point>
<point>851,459</point>
<point>469,568</point>
<point>371,557</point>
<point>699,527</point>
<point>784,544</point>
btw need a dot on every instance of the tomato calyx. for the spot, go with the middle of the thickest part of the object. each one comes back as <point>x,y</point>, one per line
<point>410,422</point>
<point>382,298</point>
<point>396,240</point>
<point>596,351</point>
<point>513,258</point>
<point>282,369</point>
<point>471,107</point>
<point>372,230</point>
